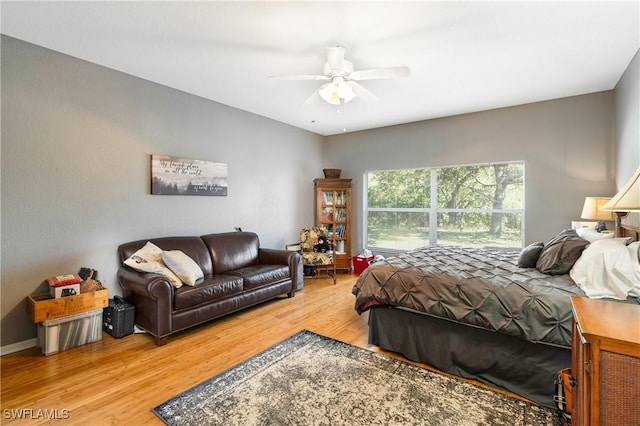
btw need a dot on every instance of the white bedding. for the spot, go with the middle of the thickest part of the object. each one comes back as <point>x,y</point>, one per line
<point>609,268</point>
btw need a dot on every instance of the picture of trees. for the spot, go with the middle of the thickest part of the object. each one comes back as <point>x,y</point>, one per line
<point>182,176</point>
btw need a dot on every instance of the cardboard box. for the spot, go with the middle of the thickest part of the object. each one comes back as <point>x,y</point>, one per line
<point>64,290</point>
<point>42,307</point>
<point>360,264</point>
<point>68,332</point>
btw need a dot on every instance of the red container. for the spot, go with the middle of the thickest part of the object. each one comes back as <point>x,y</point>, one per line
<point>360,264</point>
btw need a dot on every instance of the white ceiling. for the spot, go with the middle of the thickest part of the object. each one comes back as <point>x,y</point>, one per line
<point>463,56</point>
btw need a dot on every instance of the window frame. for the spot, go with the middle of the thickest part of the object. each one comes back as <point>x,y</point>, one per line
<point>433,209</point>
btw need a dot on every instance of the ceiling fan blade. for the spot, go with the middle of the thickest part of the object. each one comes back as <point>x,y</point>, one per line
<point>341,86</point>
<point>394,72</point>
<point>313,98</point>
<point>362,92</point>
<point>299,77</point>
<point>316,95</point>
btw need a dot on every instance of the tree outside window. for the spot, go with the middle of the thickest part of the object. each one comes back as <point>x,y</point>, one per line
<point>476,206</point>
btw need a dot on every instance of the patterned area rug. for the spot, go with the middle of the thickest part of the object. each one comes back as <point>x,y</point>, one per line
<point>310,379</point>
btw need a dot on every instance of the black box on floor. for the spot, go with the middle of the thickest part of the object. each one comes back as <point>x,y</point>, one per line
<point>118,318</point>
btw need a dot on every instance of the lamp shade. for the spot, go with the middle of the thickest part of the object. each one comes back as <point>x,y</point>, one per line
<point>628,198</point>
<point>337,91</point>
<point>592,209</point>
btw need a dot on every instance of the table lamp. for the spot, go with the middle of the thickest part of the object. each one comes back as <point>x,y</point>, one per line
<point>626,200</point>
<point>592,209</point>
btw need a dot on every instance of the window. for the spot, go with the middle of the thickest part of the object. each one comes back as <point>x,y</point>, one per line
<point>478,206</point>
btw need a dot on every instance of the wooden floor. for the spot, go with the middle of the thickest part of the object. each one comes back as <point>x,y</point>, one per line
<point>118,381</point>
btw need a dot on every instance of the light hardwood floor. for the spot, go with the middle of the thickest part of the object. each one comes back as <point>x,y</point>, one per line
<point>118,381</point>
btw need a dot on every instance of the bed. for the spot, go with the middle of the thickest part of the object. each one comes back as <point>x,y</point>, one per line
<point>480,314</point>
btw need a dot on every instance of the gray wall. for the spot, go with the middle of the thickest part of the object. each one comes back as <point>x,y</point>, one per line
<point>568,146</point>
<point>76,141</point>
<point>627,101</point>
<point>76,146</point>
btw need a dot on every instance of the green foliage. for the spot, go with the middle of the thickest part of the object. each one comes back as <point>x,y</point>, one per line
<point>480,190</point>
<point>402,188</point>
<point>399,230</point>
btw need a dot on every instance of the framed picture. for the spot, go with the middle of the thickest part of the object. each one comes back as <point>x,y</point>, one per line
<point>183,176</point>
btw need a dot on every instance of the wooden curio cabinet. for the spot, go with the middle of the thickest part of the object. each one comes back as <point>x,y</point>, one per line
<point>333,212</point>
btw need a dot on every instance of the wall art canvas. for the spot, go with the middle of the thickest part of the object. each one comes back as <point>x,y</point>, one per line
<point>183,176</point>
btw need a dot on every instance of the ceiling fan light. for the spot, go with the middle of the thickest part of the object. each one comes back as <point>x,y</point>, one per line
<point>345,92</point>
<point>330,95</point>
<point>337,92</point>
<point>327,93</point>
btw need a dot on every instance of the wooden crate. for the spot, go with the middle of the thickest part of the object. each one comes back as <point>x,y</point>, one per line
<point>42,308</point>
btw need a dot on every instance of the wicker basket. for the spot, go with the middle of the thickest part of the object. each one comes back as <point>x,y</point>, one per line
<point>332,173</point>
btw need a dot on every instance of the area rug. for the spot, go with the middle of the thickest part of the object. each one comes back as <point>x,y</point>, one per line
<point>309,379</point>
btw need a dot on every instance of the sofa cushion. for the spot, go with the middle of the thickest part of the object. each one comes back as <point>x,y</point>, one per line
<point>211,289</point>
<point>149,259</point>
<point>193,247</point>
<point>183,266</point>
<point>260,275</point>
<point>232,250</point>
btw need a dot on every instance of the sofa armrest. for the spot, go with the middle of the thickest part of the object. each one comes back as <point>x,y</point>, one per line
<point>152,286</point>
<point>284,257</point>
<point>152,296</point>
<point>273,256</point>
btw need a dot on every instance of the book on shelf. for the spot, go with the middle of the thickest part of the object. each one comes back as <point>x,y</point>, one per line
<point>328,197</point>
<point>62,280</point>
<point>329,228</point>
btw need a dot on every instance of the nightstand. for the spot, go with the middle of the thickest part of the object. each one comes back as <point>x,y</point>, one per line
<point>605,361</point>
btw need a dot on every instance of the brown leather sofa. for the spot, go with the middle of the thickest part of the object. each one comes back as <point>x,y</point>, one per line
<point>238,273</point>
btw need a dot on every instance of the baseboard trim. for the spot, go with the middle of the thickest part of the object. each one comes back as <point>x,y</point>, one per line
<point>20,346</point>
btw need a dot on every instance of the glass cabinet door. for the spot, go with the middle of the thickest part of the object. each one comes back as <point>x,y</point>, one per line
<point>332,213</point>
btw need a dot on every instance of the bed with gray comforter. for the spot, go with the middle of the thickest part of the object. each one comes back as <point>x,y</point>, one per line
<point>474,313</point>
<point>477,287</point>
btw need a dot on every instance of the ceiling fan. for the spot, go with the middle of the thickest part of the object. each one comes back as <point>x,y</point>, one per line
<point>342,81</point>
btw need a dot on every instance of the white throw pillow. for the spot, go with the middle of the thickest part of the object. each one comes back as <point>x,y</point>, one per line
<point>634,253</point>
<point>608,269</point>
<point>183,266</point>
<point>149,259</point>
<point>592,235</point>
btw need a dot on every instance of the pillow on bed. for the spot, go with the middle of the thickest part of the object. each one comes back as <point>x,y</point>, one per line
<point>592,235</point>
<point>560,253</point>
<point>530,254</point>
<point>608,269</point>
<point>634,252</point>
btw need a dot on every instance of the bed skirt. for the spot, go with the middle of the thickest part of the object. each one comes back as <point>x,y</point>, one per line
<point>525,368</point>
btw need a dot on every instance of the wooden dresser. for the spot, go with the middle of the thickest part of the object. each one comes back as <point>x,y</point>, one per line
<point>605,362</point>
